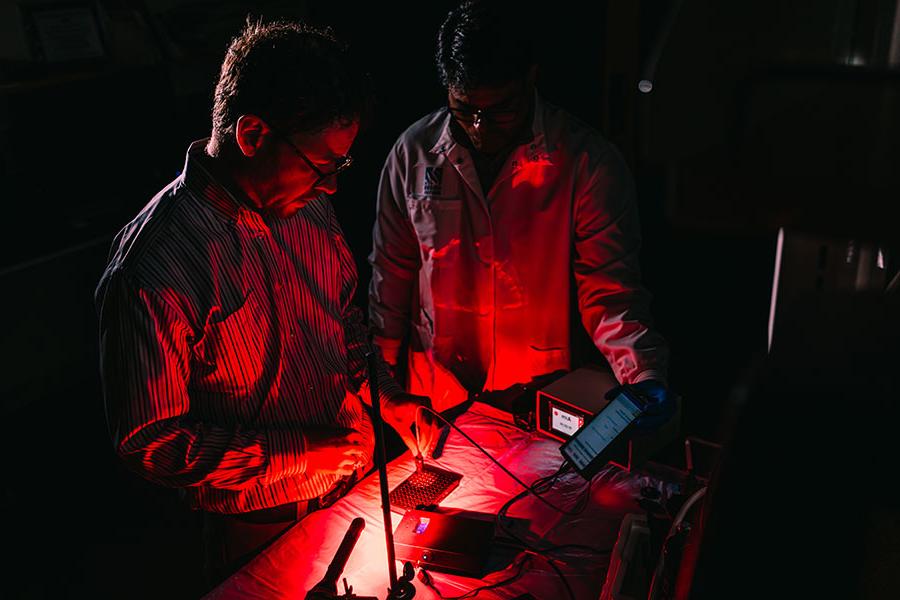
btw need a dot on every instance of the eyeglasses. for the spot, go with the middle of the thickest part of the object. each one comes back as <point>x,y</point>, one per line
<point>340,164</point>
<point>481,116</point>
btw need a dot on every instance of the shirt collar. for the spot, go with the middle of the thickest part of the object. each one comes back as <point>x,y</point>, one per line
<point>538,145</point>
<point>204,178</point>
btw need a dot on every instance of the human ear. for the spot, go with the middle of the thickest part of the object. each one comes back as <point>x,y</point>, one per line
<point>249,133</point>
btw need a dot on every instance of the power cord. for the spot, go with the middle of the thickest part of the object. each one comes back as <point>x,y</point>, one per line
<point>425,577</point>
<point>494,460</point>
<point>538,487</point>
<point>541,486</point>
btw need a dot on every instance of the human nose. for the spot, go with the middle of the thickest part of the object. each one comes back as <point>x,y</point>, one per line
<point>477,120</point>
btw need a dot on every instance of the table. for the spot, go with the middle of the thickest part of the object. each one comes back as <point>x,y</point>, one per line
<point>298,560</point>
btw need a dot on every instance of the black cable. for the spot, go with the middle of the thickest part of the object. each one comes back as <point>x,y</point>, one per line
<point>545,549</point>
<point>583,547</point>
<point>494,460</point>
<point>537,487</point>
<point>559,572</point>
<point>540,486</point>
<point>425,577</point>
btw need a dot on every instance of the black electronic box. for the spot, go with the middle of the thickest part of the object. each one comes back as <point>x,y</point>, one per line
<point>454,544</point>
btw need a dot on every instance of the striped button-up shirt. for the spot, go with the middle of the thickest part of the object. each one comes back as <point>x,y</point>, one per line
<point>224,336</point>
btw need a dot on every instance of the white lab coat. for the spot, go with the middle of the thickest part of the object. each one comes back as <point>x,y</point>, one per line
<point>483,283</point>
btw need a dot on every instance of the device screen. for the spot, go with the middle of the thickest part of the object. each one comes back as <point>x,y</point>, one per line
<point>602,430</point>
<point>564,422</point>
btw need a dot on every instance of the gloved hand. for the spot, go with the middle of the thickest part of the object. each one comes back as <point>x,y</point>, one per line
<point>662,405</point>
<point>401,413</point>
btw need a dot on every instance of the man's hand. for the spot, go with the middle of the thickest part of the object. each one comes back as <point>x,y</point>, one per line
<point>660,409</point>
<point>400,413</point>
<point>333,450</point>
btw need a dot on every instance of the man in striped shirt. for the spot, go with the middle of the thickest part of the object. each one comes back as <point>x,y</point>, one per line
<point>232,358</point>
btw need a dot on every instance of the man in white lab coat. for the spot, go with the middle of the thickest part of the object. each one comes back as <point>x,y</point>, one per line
<point>497,212</point>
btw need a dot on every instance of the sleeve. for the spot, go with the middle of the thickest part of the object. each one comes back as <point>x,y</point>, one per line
<point>356,334</point>
<point>145,368</point>
<point>614,306</point>
<point>395,260</point>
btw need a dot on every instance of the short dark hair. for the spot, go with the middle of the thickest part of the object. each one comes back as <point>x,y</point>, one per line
<point>484,43</point>
<point>296,77</point>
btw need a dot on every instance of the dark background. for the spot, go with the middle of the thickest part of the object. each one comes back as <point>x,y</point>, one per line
<point>763,114</point>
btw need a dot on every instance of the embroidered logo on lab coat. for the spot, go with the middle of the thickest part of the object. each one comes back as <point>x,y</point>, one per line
<point>433,182</point>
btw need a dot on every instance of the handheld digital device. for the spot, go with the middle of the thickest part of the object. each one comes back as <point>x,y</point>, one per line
<point>593,444</point>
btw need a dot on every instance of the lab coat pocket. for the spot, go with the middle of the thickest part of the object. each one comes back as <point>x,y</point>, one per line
<point>437,224</point>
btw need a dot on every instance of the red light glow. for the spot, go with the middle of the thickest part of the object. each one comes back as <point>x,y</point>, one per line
<point>533,173</point>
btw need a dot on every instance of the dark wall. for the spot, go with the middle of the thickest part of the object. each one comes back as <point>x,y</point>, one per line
<point>731,144</point>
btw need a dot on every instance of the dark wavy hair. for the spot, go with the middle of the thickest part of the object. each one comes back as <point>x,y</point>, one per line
<point>297,77</point>
<point>484,42</point>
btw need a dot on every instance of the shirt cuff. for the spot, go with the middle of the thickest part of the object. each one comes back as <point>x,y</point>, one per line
<point>648,374</point>
<point>388,389</point>
<point>287,454</point>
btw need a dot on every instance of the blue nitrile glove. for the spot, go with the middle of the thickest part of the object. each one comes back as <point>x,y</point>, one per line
<point>661,406</point>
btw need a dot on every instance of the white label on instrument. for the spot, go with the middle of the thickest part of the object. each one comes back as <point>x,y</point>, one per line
<point>565,422</point>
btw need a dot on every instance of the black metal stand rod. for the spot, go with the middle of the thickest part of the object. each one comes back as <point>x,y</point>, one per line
<point>381,459</point>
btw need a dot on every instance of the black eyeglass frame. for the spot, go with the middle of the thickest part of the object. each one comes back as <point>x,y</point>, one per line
<point>343,162</point>
<point>498,116</point>
<point>480,116</point>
